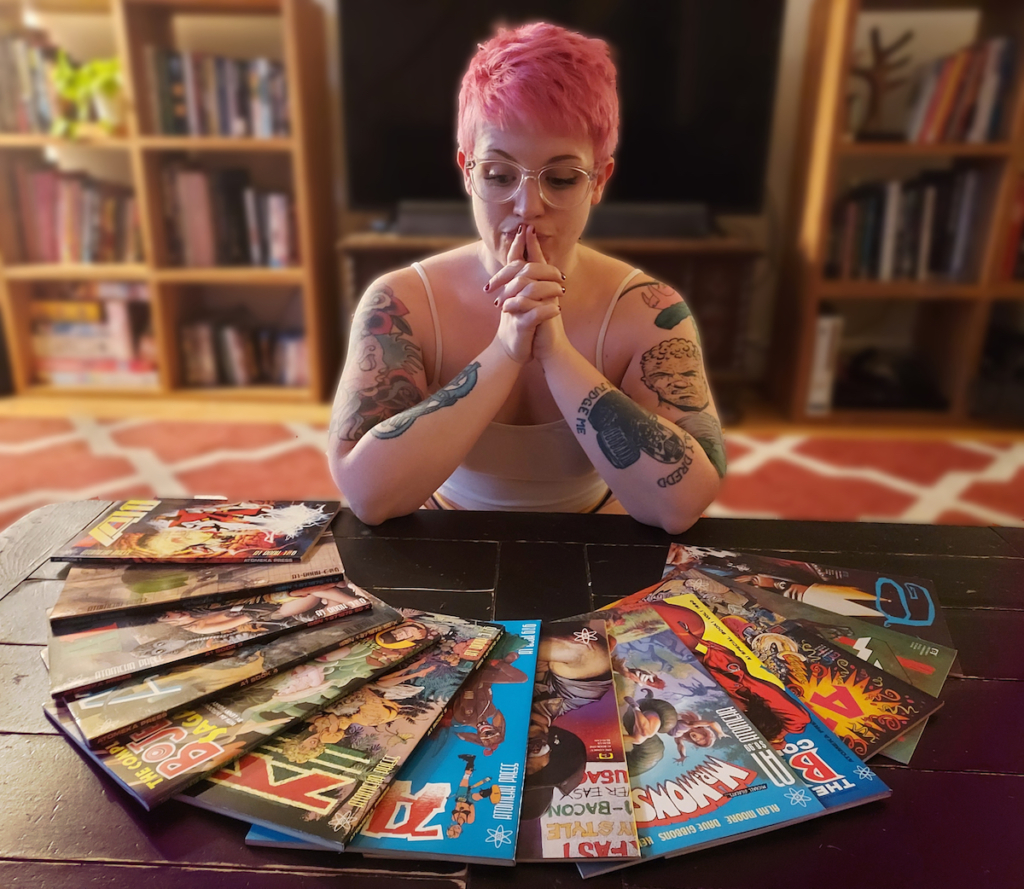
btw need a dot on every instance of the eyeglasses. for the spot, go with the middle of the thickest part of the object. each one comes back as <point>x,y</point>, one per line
<point>561,186</point>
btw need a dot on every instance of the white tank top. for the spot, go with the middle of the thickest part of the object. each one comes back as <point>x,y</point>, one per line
<point>536,468</point>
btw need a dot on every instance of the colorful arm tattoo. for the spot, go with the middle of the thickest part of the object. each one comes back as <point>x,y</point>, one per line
<point>458,388</point>
<point>389,358</point>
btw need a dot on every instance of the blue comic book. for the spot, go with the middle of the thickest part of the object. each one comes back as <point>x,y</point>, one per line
<point>458,797</point>
<point>700,772</point>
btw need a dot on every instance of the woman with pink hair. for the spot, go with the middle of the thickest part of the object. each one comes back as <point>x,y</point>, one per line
<point>526,371</point>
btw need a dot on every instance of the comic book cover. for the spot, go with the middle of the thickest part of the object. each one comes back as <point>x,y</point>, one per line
<point>135,587</point>
<point>701,774</point>
<point>321,780</point>
<point>826,765</point>
<point>866,707</point>
<point>458,796</point>
<point>906,604</point>
<point>83,658</point>
<point>202,531</point>
<point>576,794</point>
<point>167,756</point>
<point>104,715</point>
<point>919,662</point>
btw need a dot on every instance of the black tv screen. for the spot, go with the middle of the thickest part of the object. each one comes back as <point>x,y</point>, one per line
<point>696,90</point>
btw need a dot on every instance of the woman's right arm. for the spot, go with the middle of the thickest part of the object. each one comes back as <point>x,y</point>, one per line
<point>391,445</point>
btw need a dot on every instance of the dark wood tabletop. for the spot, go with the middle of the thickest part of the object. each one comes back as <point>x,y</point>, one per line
<point>954,818</point>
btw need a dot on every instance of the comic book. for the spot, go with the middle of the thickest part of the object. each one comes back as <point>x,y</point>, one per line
<point>576,795</point>
<point>104,715</point>
<point>458,796</point>
<point>701,774</point>
<point>921,663</point>
<point>165,757</point>
<point>907,604</point>
<point>132,588</point>
<point>104,653</point>
<point>866,707</point>
<point>202,531</point>
<point>826,765</point>
<point>320,780</point>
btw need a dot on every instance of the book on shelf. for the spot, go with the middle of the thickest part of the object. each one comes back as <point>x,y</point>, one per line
<point>164,758</point>
<point>924,228</point>
<point>200,94</point>
<point>73,218</point>
<point>1012,264</point>
<point>235,355</point>
<point>962,97</point>
<point>824,362</point>
<point>216,217</point>
<point>103,715</point>
<point>202,531</point>
<point>28,97</point>
<point>700,772</point>
<point>321,780</point>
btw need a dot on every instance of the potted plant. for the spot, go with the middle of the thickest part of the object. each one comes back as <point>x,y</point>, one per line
<point>88,91</point>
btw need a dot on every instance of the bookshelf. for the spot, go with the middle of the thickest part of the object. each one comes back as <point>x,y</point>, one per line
<point>944,318</point>
<point>294,298</point>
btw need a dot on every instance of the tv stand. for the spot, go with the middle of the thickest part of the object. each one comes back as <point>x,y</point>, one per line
<point>713,273</point>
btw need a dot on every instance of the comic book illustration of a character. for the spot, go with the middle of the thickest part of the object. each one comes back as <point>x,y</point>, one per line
<point>319,781</point>
<point>700,772</point>
<point>458,796</point>
<point>576,783</point>
<point>200,530</point>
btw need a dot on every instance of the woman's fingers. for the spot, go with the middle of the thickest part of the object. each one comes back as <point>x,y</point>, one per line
<point>534,253</point>
<point>533,266</point>
<point>532,290</point>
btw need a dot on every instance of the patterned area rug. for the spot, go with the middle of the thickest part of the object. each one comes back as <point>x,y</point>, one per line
<point>779,476</point>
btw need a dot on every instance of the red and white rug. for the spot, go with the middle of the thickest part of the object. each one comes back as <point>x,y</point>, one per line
<point>779,476</point>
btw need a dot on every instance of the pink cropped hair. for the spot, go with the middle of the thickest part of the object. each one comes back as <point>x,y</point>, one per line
<point>546,74</point>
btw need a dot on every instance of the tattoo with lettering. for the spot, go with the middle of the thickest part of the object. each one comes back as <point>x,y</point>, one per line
<point>706,429</point>
<point>458,388</point>
<point>674,371</point>
<point>625,431</point>
<point>677,474</point>
<point>385,351</point>
<point>671,307</point>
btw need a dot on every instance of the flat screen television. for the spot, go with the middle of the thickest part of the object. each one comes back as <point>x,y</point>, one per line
<point>696,87</point>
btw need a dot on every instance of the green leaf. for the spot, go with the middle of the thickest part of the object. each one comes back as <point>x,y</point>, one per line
<point>673,315</point>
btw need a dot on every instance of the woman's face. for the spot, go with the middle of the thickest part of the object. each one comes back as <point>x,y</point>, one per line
<point>558,230</point>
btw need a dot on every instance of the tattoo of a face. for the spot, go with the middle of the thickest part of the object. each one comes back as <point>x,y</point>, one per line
<point>458,388</point>
<point>384,348</point>
<point>673,370</point>
<point>671,307</point>
<point>625,431</point>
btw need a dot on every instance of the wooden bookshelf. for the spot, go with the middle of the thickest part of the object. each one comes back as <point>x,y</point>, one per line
<point>296,164</point>
<point>952,317</point>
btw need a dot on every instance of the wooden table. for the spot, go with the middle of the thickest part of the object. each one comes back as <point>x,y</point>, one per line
<point>954,819</point>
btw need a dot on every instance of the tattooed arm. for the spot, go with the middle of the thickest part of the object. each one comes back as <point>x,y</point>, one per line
<point>391,445</point>
<point>656,439</point>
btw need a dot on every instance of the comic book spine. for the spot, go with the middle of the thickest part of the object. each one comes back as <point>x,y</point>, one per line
<point>458,797</point>
<point>110,737</point>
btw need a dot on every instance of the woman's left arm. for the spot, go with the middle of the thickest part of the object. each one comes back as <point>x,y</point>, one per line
<point>655,439</point>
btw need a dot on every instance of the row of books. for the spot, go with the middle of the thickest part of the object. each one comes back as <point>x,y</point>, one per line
<point>216,217</point>
<point>918,229</point>
<point>72,217</point>
<point>689,714</point>
<point>196,94</point>
<point>962,97</point>
<point>98,334</point>
<point>235,355</point>
<point>28,100</point>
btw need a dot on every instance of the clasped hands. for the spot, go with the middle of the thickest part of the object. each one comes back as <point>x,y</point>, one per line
<point>527,291</point>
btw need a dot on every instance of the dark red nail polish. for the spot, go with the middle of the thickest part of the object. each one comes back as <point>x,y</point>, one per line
<point>563,277</point>
<point>519,230</point>
<point>487,286</point>
<point>497,301</point>
<point>563,290</point>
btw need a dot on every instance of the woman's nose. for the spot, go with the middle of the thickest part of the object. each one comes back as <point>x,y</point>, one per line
<point>528,202</point>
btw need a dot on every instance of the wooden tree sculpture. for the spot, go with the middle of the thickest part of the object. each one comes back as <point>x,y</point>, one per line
<point>879,76</point>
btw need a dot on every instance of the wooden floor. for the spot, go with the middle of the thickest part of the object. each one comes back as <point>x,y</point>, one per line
<point>757,416</point>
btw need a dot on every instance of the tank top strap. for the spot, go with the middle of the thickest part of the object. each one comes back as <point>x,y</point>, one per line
<point>433,381</point>
<point>599,356</point>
